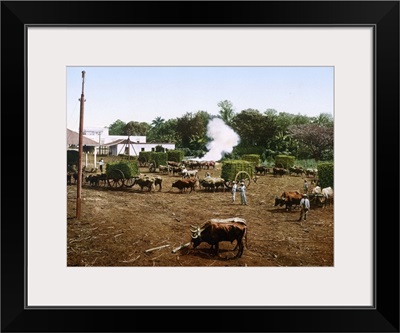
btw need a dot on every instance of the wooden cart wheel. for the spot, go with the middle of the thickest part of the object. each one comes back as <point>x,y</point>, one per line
<point>115,178</point>
<point>129,182</point>
<point>243,176</point>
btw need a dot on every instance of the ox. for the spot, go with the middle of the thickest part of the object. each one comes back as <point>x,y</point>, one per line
<point>93,180</point>
<point>215,231</point>
<point>212,184</point>
<point>311,172</point>
<point>280,171</point>
<point>144,182</point>
<point>288,198</point>
<point>173,164</point>
<point>207,164</point>
<point>158,182</point>
<point>327,196</point>
<point>163,169</point>
<point>189,173</point>
<point>261,169</point>
<point>73,175</point>
<point>323,196</point>
<point>183,184</point>
<point>296,170</point>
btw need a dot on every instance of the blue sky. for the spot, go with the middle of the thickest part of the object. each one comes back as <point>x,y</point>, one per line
<point>144,93</point>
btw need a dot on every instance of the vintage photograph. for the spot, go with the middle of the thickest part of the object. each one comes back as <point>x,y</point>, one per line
<point>200,166</point>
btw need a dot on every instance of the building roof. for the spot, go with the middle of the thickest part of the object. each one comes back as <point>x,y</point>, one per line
<point>127,142</point>
<point>73,139</point>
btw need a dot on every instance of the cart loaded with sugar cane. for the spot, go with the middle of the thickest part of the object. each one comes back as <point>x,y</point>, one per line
<point>123,173</point>
<point>238,171</point>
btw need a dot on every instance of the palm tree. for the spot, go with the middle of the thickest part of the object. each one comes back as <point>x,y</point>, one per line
<point>157,122</point>
<point>226,112</point>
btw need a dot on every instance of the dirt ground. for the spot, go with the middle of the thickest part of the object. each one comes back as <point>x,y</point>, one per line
<point>119,226</point>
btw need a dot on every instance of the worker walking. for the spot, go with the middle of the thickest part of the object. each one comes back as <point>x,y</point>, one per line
<point>305,207</point>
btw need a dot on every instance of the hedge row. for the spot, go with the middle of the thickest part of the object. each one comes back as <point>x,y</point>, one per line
<point>325,174</point>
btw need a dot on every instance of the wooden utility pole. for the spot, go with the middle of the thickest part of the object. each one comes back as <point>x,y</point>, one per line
<point>79,183</point>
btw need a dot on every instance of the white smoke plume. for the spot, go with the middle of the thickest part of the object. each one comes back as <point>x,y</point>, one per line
<point>223,139</point>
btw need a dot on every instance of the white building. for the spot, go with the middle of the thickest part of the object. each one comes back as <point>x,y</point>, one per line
<point>100,135</point>
<point>121,144</point>
<point>132,148</point>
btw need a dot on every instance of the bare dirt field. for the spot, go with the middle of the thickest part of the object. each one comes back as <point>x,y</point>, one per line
<point>119,226</point>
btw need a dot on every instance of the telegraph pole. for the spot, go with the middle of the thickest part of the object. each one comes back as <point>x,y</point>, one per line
<point>79,183</point>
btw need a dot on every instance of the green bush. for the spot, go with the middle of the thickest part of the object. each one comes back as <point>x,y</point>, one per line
<point>231,168</point>
<point>325,174</point>
<point>175,155</point>
<point>284,161</point>
<point>129,169</point>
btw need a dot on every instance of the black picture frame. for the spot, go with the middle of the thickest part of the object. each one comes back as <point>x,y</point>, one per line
<point>383,16</point>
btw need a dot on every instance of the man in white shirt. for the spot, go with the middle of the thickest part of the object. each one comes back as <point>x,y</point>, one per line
<point>305,207</point>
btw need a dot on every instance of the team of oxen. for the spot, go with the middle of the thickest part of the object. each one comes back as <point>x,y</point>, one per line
<point>278,171</point>
<point>319,197</point>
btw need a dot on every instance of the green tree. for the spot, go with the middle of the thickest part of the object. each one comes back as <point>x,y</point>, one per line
<point>324,119</point>
<point>254,128</point>
<point>192,129</point>
<point>156,131</point>
<point>136,128</point>
<point>226,112</point>
<point>117,128</point>
<point>316,139</point>
<point>157,122</point>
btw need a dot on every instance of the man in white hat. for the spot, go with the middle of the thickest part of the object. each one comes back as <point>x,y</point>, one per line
<point>242,190</point>
<point>305,207</point>
<point>234,188</point>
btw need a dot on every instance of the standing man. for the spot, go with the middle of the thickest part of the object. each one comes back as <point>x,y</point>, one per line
<point>234,188</point>
<point>242,190</point>
<point>305,186</point>
<point>101,163</point>
<point>305,207</point>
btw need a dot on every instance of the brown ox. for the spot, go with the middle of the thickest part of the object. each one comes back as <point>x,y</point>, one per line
<point>144,182</point>
<point>261,169</point>
<point>288,198</point>
<point>183,184</point>
<point>215,231</point>
<point>280,171</point>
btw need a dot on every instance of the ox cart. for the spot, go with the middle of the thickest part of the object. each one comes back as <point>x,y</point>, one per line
<point>238,171</point>
<point>122,174</point>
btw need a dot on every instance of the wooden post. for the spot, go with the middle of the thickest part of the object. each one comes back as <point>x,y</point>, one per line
<point>79,182</point>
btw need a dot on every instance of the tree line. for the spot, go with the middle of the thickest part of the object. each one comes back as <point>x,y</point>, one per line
<point>267,133</point>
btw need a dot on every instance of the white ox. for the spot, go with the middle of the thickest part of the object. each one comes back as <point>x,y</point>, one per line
<point>189,173</point>
<point>327,194</point>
